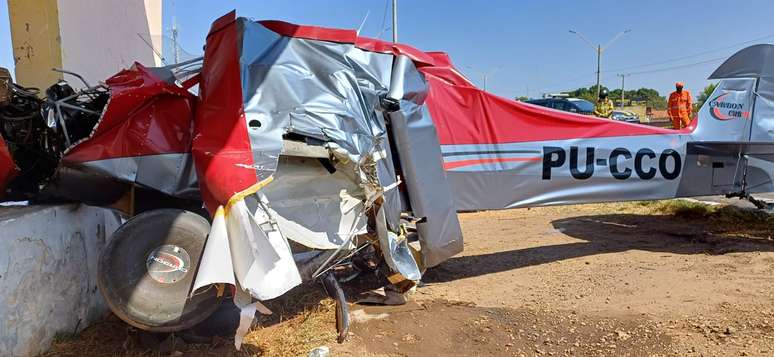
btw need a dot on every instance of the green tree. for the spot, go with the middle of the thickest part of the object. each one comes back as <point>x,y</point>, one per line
<point>650,96</point>
<point>589,93</point>
<point>704,94</point>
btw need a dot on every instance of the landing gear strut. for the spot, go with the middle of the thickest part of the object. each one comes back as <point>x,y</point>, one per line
<point>759,204</point>
<point>334,291</point>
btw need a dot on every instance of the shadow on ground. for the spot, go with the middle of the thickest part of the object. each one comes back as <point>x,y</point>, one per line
<point>611,233</point>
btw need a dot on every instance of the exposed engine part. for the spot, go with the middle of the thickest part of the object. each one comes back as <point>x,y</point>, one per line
<point>39,130</point>
<point>5,86</point>
<point>74,113</point>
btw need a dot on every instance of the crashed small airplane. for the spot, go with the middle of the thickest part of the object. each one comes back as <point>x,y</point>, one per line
<point>289,153</point>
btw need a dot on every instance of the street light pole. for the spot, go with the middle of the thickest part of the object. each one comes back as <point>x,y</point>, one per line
<point>599,66</point>
<point>599,49</point>
<point>484,75</point>
<point>623,81</point>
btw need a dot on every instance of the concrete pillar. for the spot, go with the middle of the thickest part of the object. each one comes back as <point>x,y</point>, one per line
<point>95,38</point>
<point>48,265</point>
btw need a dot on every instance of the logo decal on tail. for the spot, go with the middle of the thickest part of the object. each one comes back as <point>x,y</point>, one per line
<point>724,108</point>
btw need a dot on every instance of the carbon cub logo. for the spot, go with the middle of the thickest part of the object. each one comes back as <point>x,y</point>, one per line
<point>723,107</point>
<point>168,264</point>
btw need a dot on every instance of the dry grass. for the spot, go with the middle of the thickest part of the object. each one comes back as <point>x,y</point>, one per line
<point>718,219</point>
<point>722,219</point>
<point>106,338</point>
<point>303,319</point>
<point>313,327</point>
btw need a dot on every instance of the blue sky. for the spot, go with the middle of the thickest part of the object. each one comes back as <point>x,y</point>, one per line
<point>526,41</point>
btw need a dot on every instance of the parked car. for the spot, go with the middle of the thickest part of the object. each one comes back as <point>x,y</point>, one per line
<point>626,116</point>
<point>575,105</point>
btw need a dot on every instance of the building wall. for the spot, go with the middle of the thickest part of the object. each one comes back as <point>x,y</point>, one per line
<point>36,41</point>
<point>155,23</point>
<point>102,37</point>
<point>95,38</point>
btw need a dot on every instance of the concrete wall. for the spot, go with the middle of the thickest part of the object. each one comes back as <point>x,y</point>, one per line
<point>95,38</point>
<point>48,264</point>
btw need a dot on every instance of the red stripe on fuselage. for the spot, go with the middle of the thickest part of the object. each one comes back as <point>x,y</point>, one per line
<point>471,162</point>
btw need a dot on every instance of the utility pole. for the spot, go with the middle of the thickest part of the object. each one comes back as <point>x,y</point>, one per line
<point>599,49</point>
<point>395,21</point>
<point>175,47</point>
<point>485,75</point>
<point>623,81</point>
<point>599,67</point>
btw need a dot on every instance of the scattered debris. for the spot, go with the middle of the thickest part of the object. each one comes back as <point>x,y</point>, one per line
<point>321,351</point>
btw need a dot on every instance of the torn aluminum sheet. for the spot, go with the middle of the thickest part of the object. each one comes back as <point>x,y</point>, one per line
<point>143,134</point>
<point>328,92</point>
<point>261,258</point>
<point>313,207</point>
<point>416,142</point>
<point>172,174</point>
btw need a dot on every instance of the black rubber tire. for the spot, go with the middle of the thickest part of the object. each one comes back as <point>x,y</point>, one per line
<point>139,299</point>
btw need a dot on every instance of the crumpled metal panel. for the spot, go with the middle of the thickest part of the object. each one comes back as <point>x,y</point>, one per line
<point>221,145</point>
<point>143,135</point>
<point>314,207</point>
<point>763,113</point>
<point>322,90</point>
<point>331,92</point>
<point>145,116</point>
<point>173,174</point>
<point>395,249</point>
<point>421,160</point>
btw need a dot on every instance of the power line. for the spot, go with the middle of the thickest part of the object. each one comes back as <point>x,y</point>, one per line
<point>545,91</point>
<point>693,55</point>
<point>384,19</point>
<point>665,69</point>
<point>680,66</point>
<point>573,80</point>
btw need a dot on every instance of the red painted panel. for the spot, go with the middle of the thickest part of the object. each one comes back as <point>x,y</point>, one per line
<point>221,146</point>
<point>145,116</point>
<point>8,169</point>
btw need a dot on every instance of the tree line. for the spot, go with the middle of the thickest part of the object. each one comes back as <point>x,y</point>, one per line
<point>643,96</point>
<point>647,96</point>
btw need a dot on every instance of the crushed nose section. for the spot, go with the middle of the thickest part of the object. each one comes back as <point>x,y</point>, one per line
<point>301,164</point>
<point>133,129</point>
<point>305,150</point>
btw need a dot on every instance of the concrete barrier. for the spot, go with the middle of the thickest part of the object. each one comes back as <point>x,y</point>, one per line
<point>48,265</point>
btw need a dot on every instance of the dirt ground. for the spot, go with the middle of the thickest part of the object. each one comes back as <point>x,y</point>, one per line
<point>655,279</point>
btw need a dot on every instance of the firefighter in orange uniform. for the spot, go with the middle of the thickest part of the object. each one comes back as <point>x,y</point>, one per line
<point>680,107</point>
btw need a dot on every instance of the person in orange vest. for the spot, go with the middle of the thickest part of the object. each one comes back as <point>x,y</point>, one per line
<point>680,107</point>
